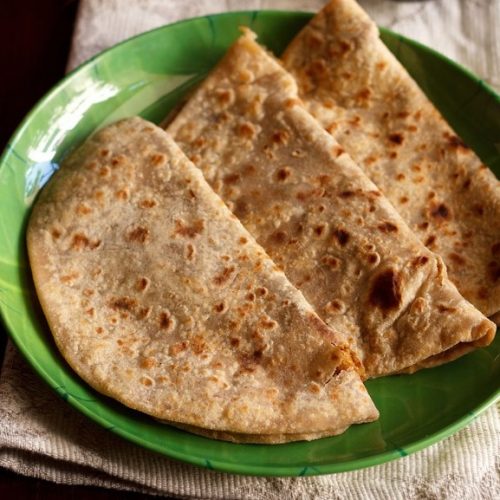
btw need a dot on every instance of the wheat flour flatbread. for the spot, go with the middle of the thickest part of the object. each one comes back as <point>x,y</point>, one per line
<point>157,296</point>
<point>320,218</point>
<point>363,96</point>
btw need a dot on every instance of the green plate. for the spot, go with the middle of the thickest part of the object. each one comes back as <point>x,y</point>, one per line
<point>147,75</point>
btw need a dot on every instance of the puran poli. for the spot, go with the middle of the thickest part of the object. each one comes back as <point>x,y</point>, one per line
<point>321,219</point>
<point>157,296</point>
<point>364,97</point>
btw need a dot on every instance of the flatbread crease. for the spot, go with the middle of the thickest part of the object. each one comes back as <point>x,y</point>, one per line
<point>359,92</point>
<point>157,296</point>
<point>320,218</point>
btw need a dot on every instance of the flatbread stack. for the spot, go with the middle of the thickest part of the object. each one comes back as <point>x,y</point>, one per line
<point>361,94</point>
<point>321,219</point>
<point>157,296</point>
<point>242,281</point>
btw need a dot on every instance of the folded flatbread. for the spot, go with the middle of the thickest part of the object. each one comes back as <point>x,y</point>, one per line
<point>157,296</point>
<point>321,219</point>
<point>364,97</point>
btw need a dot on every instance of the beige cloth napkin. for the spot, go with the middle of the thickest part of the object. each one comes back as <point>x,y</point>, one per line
<point>42,436</point>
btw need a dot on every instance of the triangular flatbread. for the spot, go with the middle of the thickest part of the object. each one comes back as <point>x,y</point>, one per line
<point>157,296</point>
<point>319,217</point>
<point>363,96</point>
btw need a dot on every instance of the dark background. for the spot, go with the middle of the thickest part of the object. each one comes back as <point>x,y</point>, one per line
<point>35,38</point>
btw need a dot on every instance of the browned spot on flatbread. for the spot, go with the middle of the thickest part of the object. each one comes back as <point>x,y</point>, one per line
<point>440,211</point>
<point>456,142</point>
<point>177,348</point>
<point>456,259</point>
<point>385,292</point>
<point>147,363</point>
<point>246,130</point>
<point>158,159</point>
<point>431,239</point>
<point>396,138</point>
<point>197,344</point>
<point>282,174</point>
<point>123,303</point>
<point>147,203</point>
<point>280,137</point>
<point>341,236</point>
<point>165,320</point>
<point>330,261</point>
<point>189,231</point>
<point>279,237</point>
<point>445,309</point>
<point>232,178</point>
<point>220,307</point>
<point>55,233</point>
<point>80,242</point>
<point>224,276</point>
<point>320,230</point>
<point>142,284</point>
<point>139,234</point>
<point>388,227</point>
<point>420,261</point>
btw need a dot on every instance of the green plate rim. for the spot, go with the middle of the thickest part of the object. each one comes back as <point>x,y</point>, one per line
<point>220,465</point>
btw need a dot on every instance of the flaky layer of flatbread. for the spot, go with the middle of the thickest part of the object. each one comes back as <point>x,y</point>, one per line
<point>321,219</point>
<point>157,296</point>
<point>364,97</point>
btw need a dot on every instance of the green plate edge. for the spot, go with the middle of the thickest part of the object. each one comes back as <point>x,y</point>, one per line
<point>395,42</point>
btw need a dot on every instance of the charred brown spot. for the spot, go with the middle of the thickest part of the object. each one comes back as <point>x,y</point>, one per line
<point>347,194</point>
<point>400,177</point>
<point>250,296</point>
<point>246,130</point>
<point>441,211</point>
<point>330,261</point>
<point>189,231</point>
<point>455,142</point>
<point>123,303</point>
<point>83,209</point>
<point>220,307</point>
<point>341,236</point>
<point>232,178</point>
<point>146,203</point>
<point>423,225</point>
<point>495,249</point>
<point>158,159</point>
<point>234,341</point>
<point>372,258</point>
<point>320,230</point>
<point>147,363</point>
<point>104,152</point>
<point>385,292</point>
<point>177,348</point>
<point>430,241</point>
<point>144,312</point>
<point>283,174</point>
<point>364,94</point>
<point>403,200</point>
<point>224,276</point>
<point>388,227</point>
<point>139,234</point>
<point>466,184</point>
<point>56,234</point>
<point>99,329</point>
<point>243,241</point>
<point>393,154</point>
<point>80,241</point>
<point>121,194</point>
<point>280,137</point>
<point>261,291</point>
<point>421,260</point>
<point>190,251</point>
<point>279,237</point>
<point>445,309</point>
<point>142,284</point>
<point>118,160</point>
<point>456,259</point>
<point>165,320</point>
<point>396,138</point>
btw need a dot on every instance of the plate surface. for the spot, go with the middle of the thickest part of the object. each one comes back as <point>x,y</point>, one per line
<point>147,75</point>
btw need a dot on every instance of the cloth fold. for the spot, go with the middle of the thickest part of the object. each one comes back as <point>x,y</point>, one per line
<point>44,437</point>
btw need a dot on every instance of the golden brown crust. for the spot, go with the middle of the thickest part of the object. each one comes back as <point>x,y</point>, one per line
<point>320,218</point>
<point>363,96</point>
<point>157,296</point>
